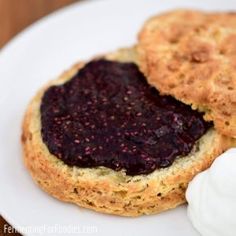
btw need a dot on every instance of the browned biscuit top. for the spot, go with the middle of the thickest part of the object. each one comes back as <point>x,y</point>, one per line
<point>191,55</point>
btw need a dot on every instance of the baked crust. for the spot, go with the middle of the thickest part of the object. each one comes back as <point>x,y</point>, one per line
<point>191,55</point>
<point>106,190</point>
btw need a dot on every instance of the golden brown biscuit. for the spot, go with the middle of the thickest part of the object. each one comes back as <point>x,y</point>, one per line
<point>103,189</point>
<point>191,55</point>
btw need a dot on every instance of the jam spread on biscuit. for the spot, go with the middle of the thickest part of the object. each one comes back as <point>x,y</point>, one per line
<point>108,115</point>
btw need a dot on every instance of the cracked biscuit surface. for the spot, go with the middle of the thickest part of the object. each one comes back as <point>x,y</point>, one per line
<point>103,189</point>
<point>191,55</point>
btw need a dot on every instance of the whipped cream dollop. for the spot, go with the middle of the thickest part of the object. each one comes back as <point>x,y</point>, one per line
<point>211,196</point>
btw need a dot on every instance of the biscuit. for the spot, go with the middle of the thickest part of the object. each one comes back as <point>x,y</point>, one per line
<point>191,55</point>
<point>103,189</point>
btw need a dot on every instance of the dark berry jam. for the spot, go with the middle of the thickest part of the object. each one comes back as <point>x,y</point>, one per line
<point>107,115</point>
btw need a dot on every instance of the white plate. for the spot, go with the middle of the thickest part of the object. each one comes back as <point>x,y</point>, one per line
<point>39,54</point>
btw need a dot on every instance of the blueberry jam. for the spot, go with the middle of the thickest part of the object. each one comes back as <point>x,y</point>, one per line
<point>107,115</point>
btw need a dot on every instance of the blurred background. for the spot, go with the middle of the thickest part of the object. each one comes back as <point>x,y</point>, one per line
<point>15,15</point>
